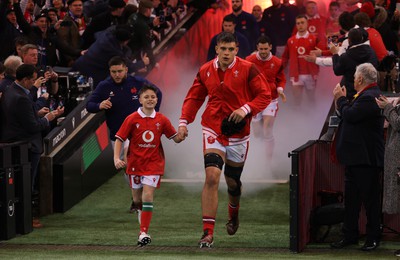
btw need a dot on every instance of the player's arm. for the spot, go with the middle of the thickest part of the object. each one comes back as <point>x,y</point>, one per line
<point>118,163</point>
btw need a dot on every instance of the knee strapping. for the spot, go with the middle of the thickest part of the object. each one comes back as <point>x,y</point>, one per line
<point>234,173</point>
<point>213,160</point>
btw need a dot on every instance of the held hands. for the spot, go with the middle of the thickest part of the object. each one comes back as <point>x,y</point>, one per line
<point>339,91</point>
<point>105,104</point>
<point>182,133</point>
<point>119,164</point>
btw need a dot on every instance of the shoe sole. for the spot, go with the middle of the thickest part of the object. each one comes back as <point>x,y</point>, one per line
<point>206,244</point>
<point>144,242</point>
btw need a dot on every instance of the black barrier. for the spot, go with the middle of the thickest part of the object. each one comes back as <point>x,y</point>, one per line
<point>15,190</point>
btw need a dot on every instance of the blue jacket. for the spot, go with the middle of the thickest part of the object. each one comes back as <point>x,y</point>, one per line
<point>124,99</point>
<point>95,61</point>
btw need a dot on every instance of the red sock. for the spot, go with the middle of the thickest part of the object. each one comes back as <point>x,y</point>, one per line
<point>208,224</point>
<point>233,210</point>
<point>147,213</point>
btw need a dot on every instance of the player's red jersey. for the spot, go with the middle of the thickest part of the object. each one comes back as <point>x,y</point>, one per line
<point>296,47</point>
<point>145,153</point>
<point>243,86</point>
<point>272,70</point>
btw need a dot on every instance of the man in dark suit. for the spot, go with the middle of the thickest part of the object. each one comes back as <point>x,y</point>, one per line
<point>20,119</point>
<point>360,148</point>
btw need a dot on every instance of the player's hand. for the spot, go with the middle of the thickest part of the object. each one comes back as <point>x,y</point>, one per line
<point>182,132</point>
<point>237,116</point>
<point>283,96</point>
<point>105,104</point>
<point>119,164</point>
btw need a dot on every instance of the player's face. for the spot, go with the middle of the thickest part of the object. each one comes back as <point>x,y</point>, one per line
<point>334,11</point>
<point>228,27</point>
<point>264,49</point>
<point>148,99</point>
<point>311,9</point>
<point>226,53</point>
<point>301,24</point>
<point>118,73</point>
<point>275,2</point>
<point>237,5</point>
<point>257,12</point>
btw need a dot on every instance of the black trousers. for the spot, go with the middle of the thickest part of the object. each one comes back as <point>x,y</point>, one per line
<point>362,186</point>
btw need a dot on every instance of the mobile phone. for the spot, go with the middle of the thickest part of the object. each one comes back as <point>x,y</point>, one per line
<point>49,69</point>
<point>162,18</point>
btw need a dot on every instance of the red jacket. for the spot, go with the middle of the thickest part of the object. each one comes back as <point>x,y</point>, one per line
<point>376,42</point>
<point>272,70</point>
<point>243,87</point>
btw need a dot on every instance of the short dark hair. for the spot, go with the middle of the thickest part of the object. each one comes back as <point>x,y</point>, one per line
<point>264,39</point>
<point>146,87</point>
<point>362,19</point>
<point>300,16</point>
<point>116,60</point>
<point>229,18</point>
<point>226,37</point>
<point>21,40</point>
<point>334,3</point>
<point>25,71</point>
<point>357,36</point>
<point>346,21</point>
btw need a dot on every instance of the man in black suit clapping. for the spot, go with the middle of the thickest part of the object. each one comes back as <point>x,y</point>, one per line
<point>360,148</point>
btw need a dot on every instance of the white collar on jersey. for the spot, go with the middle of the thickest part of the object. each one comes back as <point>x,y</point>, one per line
<point>314,17</point>
<point>216,64</point>
<point>153,115</point>
<point>298,36</point>
<point>267,59</point>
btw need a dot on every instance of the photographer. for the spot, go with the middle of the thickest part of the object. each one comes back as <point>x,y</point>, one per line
<point>47,81</point>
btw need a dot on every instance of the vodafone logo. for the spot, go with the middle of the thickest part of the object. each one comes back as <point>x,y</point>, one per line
<point>210,140</point>
<point>312,29</point>
<point>301,50</point>
<point>148,136</point>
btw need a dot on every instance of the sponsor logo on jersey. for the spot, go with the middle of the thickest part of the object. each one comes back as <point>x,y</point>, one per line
<point>301,50</point>
<point>312,29</point>
<point>148,137</point>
